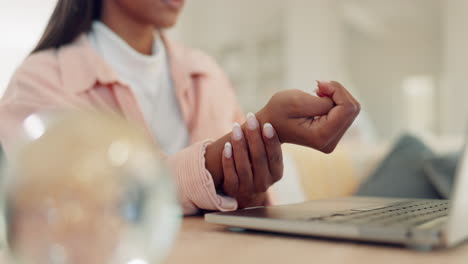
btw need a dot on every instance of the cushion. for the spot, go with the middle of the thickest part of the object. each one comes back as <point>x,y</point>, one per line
<point>441,172</point>
<point>324,176</point>
<point>401,174</point>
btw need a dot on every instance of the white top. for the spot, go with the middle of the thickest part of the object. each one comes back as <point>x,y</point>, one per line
<point>149,78</point>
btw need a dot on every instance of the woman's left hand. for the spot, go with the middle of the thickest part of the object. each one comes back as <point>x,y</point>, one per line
<point>252,162</point>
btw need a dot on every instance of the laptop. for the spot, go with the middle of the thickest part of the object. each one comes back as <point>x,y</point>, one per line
<point>420,224</point>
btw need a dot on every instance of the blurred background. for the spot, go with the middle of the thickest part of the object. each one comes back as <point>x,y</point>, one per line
<point>404,59</point>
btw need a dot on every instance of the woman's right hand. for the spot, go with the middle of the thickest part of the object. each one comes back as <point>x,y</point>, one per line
<point>252,162</point>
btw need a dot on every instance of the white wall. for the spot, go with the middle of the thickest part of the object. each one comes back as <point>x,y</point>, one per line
<point>314,39</point>
<point>314,36</point>
<point>379,64</point>
<point>310,36</point>
<point>21,25</point>
<point>233,32</point>
<point>454,95</point>
<point>320,44</point>
<point>315,49</point>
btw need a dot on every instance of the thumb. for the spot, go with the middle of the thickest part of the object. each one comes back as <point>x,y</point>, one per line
<point>307,105</point>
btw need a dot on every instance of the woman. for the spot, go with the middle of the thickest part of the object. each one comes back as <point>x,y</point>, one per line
<point>112,55</point>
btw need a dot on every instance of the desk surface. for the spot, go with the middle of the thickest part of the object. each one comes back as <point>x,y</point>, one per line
<point>201,242</point>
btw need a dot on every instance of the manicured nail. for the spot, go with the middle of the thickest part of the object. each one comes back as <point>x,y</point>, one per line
<point>236,132</point>
<point>228,150</point>
<point>268,130</point>
<point>324,87</point>
<point>252,122</point>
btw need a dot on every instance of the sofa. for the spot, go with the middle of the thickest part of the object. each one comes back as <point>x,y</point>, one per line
<point>315,175</point>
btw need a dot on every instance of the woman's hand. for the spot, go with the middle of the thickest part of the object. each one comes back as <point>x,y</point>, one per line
<point>297,117</point>
<point>252,162</point>
<point>316,122</point>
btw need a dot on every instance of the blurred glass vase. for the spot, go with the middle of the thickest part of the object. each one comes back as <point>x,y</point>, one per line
<point>88,188</point>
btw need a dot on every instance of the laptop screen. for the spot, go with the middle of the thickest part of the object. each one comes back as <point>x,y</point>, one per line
<point>457,229</point>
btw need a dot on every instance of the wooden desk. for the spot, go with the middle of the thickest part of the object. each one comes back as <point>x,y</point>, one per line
<point>204,243</point>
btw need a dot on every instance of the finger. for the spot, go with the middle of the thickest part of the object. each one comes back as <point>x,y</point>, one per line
<point>324,132</point>
<point>332,145</point>
<point>242,161</point>
<point>302,104</point>
<point>274,152</point>
<point>340,116</point>
<point>231,182</point>
<point>337,92</point>
<point>334,142</point>
<point>257,199</point>
<point>318,92</point>
<point>258,156</point>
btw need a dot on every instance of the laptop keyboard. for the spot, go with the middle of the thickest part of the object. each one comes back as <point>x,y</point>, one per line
<point>412,213</point>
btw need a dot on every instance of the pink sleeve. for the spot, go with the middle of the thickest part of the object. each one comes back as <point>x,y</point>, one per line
<point>206,197</point>
<point>194,183</point>
<point>30,90</point>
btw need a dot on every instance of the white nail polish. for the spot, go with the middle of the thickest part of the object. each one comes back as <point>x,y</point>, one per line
<point>252,122</point>
<point>268,130</point>
<point>228,150</point>
<point>236,132</point>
